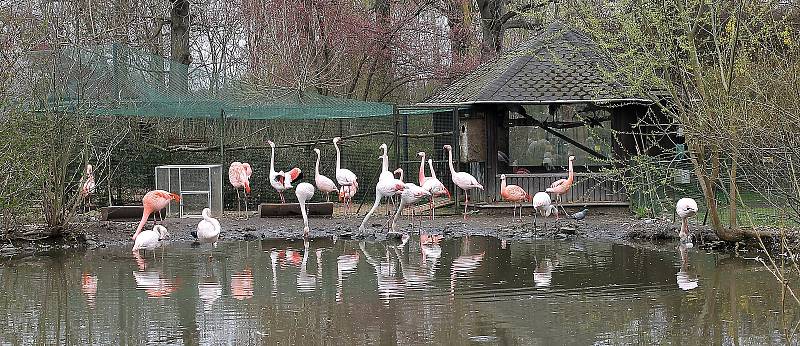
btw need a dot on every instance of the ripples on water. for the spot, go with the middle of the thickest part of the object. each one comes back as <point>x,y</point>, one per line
<point>417,290</point>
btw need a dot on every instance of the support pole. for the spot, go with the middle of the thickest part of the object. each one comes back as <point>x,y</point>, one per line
<point>396,140</point>
<point>456,192</point>
<point>222,138</point>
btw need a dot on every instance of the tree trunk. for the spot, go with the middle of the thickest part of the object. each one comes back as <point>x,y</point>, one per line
<point>382,65</point>
<point>733,194</point>
<point>491,27</point>
<point>179,43</point>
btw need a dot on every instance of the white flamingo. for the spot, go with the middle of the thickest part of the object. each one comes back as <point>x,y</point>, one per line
<point>208,229</point>
<point>150,239</point>
<point>304,192</point>
<point>685,208</point>
<point>384,189</point>
<point>431,184</point>
<point>324,184</point>
<point>347,180</point>
<point>463,180</point>
<point>411,195</point>
<point>543,205</point>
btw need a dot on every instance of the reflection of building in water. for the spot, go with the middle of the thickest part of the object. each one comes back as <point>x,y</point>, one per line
<point>345,265</point>
<point>209,291</point>
<point>89,288</point>
<point>685,280</point>
<point>242,284</point>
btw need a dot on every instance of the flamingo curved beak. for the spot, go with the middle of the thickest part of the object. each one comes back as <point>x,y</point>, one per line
<point>176,197</point>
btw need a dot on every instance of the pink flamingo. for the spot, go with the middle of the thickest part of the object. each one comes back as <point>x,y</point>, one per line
<point>324,184</point>
<point>431,184</point>
<point>281,181</point>
<point>411,194</point>
<point>561,187</point>
<point>685,208</point>
<point>89,188</point>
<point>463,180</point>
<point>384,189</point>
<point>239,178</point>
<point>348,182</point>
<point>304,192</point>
<point>542,204</point>
<point>152,202</point>
<point>514,194</point>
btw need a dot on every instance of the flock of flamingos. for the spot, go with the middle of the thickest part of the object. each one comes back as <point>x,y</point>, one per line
<point>387,187</point>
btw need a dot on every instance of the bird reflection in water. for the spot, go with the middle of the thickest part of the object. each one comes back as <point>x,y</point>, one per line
<point>209,290</point>
<point>543,273</point>
<point>89,288</point>
<point>686,281</point>
<point>463,265</point>
<point>390,285</point>
<point>152,282</point>
<point>305,281</point>
<point>242,284</point>
<point>345,265</point>
<point>273,259</point>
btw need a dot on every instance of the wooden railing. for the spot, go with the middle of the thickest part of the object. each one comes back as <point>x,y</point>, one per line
<point>588,188</point>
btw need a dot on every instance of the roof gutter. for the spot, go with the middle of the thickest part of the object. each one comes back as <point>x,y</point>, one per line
<point>469,103</point>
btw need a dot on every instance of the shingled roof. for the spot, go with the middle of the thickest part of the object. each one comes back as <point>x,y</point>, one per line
<point>558,65</point>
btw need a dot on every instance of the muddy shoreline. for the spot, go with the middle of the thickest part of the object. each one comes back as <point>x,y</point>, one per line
<point>609,224</point>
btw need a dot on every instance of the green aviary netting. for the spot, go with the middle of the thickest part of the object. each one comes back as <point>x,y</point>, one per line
<point>120,80</point>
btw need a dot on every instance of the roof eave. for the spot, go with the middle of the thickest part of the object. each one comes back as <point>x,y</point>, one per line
<point>470,103</point>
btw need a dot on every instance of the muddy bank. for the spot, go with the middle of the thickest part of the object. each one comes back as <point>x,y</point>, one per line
<point>612,224</point>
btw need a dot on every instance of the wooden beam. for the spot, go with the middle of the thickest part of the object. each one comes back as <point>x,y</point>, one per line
<point>121,212</point>
<point>293,209</point>
<point>569,140</point>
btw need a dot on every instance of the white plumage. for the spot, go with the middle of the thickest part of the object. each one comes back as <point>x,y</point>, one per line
<point>347,180</point>
<point>208,229</point>
<point>324,184</point>
<point>685,208</point>
<point>543,205</point>
<point>150,239</point>
<point>304,192</point>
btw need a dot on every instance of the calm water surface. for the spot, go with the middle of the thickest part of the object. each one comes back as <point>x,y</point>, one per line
<point>456,291</point>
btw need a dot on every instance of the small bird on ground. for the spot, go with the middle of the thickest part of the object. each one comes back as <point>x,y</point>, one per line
<point>580,215</point>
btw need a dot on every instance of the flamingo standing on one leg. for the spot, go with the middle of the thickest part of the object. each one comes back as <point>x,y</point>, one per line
<point>686,208</point>
<point>410,195</point>
<point>346,178</point>
<point>561,187</point>
<point>514,194</point>
<point>152,202</point>
<point>431,184</point>
<point>88,188</point>
<point>304,192</point>
<point>543,205</point>
<point>237,175</point>
<point>324,184</point>
<point>150,239</point>
<point>208,229</point>
<point>384,189</point>
<point>463,180</point>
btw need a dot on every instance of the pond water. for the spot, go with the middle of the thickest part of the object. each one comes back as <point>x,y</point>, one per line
<point>428,290</point>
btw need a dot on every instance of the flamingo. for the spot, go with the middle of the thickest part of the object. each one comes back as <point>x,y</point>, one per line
<point>463,180</point>
<point>411,194</point>
<point>281,181</point>
<point>542,204</point>
<point>89,187</point>
<point>514,194</point>
<point>150,239</point>
<point>324,184</point>
<point>347,180</point>
<point>207,229</point>
<point>431,184</point>
<point>239,176</point>
<point>561,187</point>
<point>304,192</point>
<point>686,208</point>
<point>385,174</point>
<point>154,201</point>
<point>384,189</point>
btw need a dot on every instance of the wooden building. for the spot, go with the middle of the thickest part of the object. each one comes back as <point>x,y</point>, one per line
<point>527,111</point>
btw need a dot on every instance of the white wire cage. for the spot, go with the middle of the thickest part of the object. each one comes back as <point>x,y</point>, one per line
<point>200,186</point>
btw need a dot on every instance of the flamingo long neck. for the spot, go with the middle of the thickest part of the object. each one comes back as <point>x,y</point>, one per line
<point>502,185</point>
<point>385,162</point>
<point>316,169</point>
<point>401,175</point>
<point>272,160</point>
<point>430,165</point>
<point>684,226</point>
<point>338,155</point>
<point>571,176</point>
<point>145,216</point>
<point>450,161</point>
<point>303,210</point>
<point>422,170</point>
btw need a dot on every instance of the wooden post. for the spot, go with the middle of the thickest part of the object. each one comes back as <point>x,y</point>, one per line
<point>490,117</point>
<point>456,192</point>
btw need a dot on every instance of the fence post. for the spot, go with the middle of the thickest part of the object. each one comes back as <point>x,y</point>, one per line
<point>456,155</point>
<point>222,138</point>
<point>396,143</point>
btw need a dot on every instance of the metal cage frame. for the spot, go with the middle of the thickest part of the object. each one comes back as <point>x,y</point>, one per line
<point>209,193</point>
